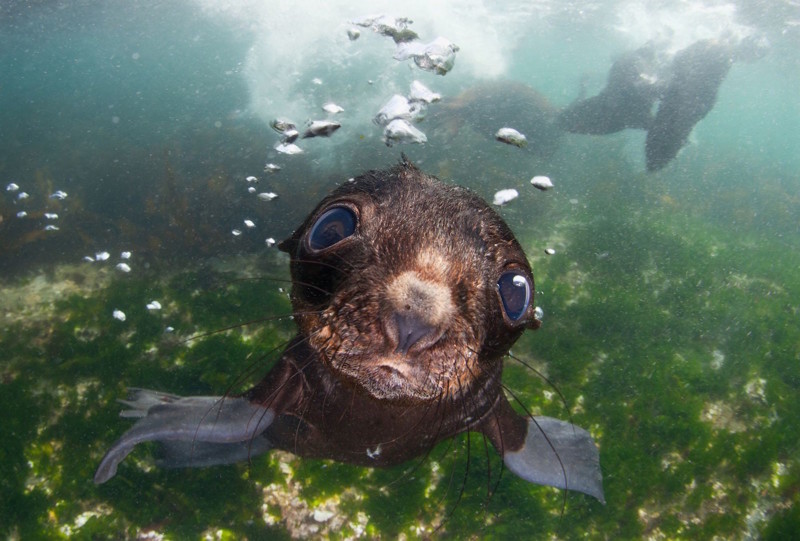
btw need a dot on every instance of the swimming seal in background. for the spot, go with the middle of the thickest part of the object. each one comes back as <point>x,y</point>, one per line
<point>633,86</point>
<point>407,294</point>
<point>685,90</point>
<point>697,73</point>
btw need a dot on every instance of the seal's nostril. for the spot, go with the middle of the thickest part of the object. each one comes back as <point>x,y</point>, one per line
<point>410,330</point>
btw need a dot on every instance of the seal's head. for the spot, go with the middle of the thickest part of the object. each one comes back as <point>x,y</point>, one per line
<point>410,288</point>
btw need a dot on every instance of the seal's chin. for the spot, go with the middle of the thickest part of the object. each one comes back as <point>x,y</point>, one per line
<point>391,383</point>
<point>393,377</point>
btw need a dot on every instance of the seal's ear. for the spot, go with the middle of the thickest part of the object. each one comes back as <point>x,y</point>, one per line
<point>544,450</point>
<point>289,245</point>
<point>406,162</point>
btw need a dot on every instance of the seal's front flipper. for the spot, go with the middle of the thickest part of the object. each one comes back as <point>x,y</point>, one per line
<point>546,451</point>
<point>195,430</point>
<point>558,454</point>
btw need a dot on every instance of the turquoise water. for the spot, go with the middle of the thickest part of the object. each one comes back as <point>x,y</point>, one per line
<point>671,303</point>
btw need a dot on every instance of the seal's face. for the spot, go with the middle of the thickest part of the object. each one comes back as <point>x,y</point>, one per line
<point>409,288</point>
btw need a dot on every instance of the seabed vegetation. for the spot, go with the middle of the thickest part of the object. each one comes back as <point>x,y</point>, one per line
<point>672,337</point>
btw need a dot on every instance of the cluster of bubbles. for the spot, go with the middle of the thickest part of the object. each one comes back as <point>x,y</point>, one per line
<point>399,114</point>
<point>23,200</point>
<point>101,256</point>
<point>269,168</point>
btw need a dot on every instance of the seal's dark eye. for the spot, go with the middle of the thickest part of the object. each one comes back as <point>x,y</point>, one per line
<point>335,225</point>
<point>515,292</point>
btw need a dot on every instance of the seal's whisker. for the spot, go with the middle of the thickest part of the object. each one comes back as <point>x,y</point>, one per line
<point>272,279</point>
<point>546,380</point>
<point>236,382</point>
<point>469,456</point>
<point>252,393</point>
<point>490,489</point>
<point>451,447</point>
<point>323,263</point>
<point>434,440</point>
<point>235,326</point>
<point>251,369</point>
<point>547,439</point>
<point>260,278</point>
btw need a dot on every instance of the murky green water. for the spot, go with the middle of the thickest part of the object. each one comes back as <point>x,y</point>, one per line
<point>671,302</point>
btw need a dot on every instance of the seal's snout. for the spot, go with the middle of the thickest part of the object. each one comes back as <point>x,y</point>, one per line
<point>418,312</point>
<point>411,329</point>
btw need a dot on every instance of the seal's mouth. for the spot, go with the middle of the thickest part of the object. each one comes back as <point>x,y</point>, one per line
<point>393,376</point>
<point>395,366</point>
<point>391,373</point>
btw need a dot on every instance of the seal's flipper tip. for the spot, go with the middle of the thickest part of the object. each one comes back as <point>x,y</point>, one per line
<point>108,466</point>
<point>559,454</point>
<point>197,430</point>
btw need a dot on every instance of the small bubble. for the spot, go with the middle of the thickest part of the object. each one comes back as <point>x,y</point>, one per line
<point>541,182</point>
<point>115,120</point>
<point>504,196</point>
<point>135,56</point>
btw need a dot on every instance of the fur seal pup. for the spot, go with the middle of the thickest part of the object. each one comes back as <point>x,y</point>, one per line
<point>407,294</point>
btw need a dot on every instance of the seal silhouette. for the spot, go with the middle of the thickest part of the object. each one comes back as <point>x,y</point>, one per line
<point>407,294</point>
